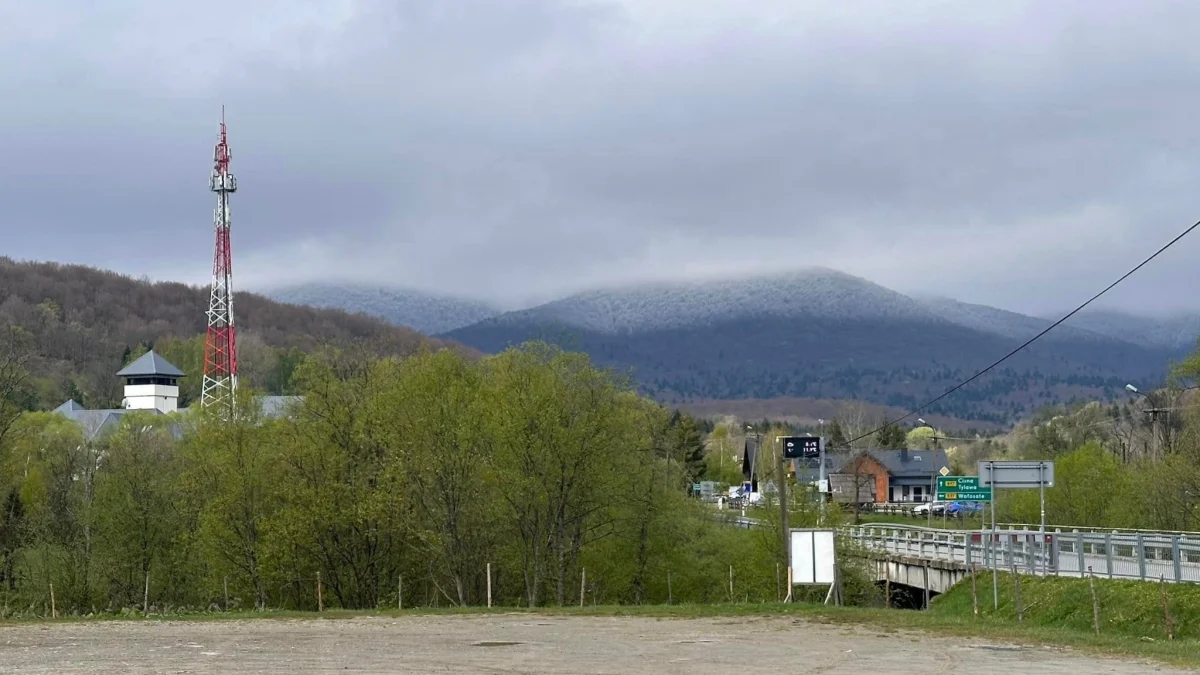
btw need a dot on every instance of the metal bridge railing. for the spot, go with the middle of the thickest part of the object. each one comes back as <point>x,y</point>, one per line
<point>1116,555</point>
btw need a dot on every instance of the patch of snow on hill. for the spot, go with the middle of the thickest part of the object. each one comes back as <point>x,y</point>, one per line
<point>425,312</point>
<point>811,292</point>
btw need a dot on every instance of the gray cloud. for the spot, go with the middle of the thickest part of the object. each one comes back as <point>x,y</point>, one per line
<point>1015,153</point>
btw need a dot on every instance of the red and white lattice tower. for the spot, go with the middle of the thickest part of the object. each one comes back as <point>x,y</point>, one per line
<point>220,348</point>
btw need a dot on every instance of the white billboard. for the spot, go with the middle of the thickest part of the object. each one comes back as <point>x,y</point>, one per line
<point>813,557</point>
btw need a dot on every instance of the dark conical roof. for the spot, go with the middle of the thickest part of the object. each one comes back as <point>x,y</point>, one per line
<point>149,364</point>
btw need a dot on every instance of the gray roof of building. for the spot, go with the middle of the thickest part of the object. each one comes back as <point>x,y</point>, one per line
<point>95,423</point>
<point>902,463</point>
<point>70,405</point>
<point>149,364</point>
<point>277,406</point>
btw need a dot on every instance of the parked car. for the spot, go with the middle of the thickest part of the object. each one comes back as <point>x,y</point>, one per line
<point>928,508</point>
<point>964,509</point>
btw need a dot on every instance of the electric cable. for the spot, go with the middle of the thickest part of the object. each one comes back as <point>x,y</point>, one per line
<point>1028,342</point>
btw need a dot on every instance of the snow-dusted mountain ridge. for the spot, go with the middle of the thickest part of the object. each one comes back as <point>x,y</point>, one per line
<point>425,312</point>
<point>646,307</point>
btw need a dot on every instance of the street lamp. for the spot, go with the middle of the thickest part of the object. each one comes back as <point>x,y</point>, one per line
<point>1153,412</point>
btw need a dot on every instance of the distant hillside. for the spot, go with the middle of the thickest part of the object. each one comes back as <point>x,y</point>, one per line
<point>1174,332</point>
<point>84,321</point>
<point>808,412</point>
<point>424,312</point>
<point>823,334</point>
<point>815,292</point>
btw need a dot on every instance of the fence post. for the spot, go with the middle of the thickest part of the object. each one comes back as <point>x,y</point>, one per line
<point>967,550</point>
<point>1079,553</point>
<point>974,592</point>
<point>582,584</point>
<point>1095,601</point>
<point>400,592</point>
<point>670,595</point>
<point>1176,553</point>
<point>1141,556</point>
<point>1168,622</point>
<point>1017,594</point>
<point>53,608</point>
<point>489,584</point>
<point>146,594</point>
<point>226,582</point>
<point>320,596</point>
<point>1108,554</point>
<point>731,583</point>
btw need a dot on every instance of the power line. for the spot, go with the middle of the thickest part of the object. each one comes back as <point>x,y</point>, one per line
<point>1028,342</point>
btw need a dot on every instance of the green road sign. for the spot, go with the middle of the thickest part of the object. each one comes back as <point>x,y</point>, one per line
<point>962,489</point>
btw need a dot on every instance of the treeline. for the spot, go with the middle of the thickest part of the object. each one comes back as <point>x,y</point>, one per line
<point>82,320</point>
<point>1135,464</point>
<point>423,469</point>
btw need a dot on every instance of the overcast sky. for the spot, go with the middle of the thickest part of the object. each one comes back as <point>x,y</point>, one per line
<point>1021,154</point>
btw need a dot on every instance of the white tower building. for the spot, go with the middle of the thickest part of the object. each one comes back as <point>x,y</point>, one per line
<point>151,383</point>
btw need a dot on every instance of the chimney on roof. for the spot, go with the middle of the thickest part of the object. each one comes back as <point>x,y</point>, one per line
<point>904,455</point>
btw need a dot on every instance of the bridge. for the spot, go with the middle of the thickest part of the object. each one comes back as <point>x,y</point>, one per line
<point>935,559</point>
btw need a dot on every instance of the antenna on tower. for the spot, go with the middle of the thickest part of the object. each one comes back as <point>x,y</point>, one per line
<point>220,345</point>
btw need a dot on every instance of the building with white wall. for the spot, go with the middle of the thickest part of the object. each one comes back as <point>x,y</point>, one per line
<point>151,384</point>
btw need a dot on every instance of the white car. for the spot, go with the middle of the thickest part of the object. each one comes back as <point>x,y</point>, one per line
<point>923,509</point>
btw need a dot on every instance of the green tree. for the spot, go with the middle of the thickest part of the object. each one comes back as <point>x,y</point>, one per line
<point>136,509</point>
<point>560,430</point>
<point>891,436</point>
<point>231,466</point>
<point>341,510</point>
<point>837,437</point>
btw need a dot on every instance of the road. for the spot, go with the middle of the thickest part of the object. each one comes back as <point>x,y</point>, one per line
<point>519,643</point>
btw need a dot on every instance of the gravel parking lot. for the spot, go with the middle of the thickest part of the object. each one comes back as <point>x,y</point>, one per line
<point>518,643</point>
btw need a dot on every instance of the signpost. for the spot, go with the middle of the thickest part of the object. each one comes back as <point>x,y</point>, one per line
<point>813,560</point>
<point>809,447</point>
<point>962,489</point>
<point>1021,475</point>
<point>802,447</point>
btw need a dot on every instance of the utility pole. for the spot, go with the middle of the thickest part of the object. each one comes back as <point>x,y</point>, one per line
<point>781,482</point>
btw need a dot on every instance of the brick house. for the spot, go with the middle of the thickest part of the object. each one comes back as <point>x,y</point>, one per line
<point>887,476</point>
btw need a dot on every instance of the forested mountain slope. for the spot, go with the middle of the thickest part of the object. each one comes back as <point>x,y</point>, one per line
<point>83,322</point>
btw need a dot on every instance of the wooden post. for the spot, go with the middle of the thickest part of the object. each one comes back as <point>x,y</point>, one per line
<point>53,608</point>
<point>226,580</point>
<point>1095,600</point>
<point>1168,620</point>
<point>731,583</point>
<point>1017,594</point>
<point>146,594</point>
<point>400,593</point>
<point>582,584</point>
<point>778,584</point>
<point>320,597</point>
<point>489,583</point>
<point>670,596</point>
<point>791,585</point>
<point>974,591</point>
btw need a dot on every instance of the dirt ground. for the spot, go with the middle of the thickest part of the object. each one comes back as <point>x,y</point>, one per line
<point>518,644</point>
